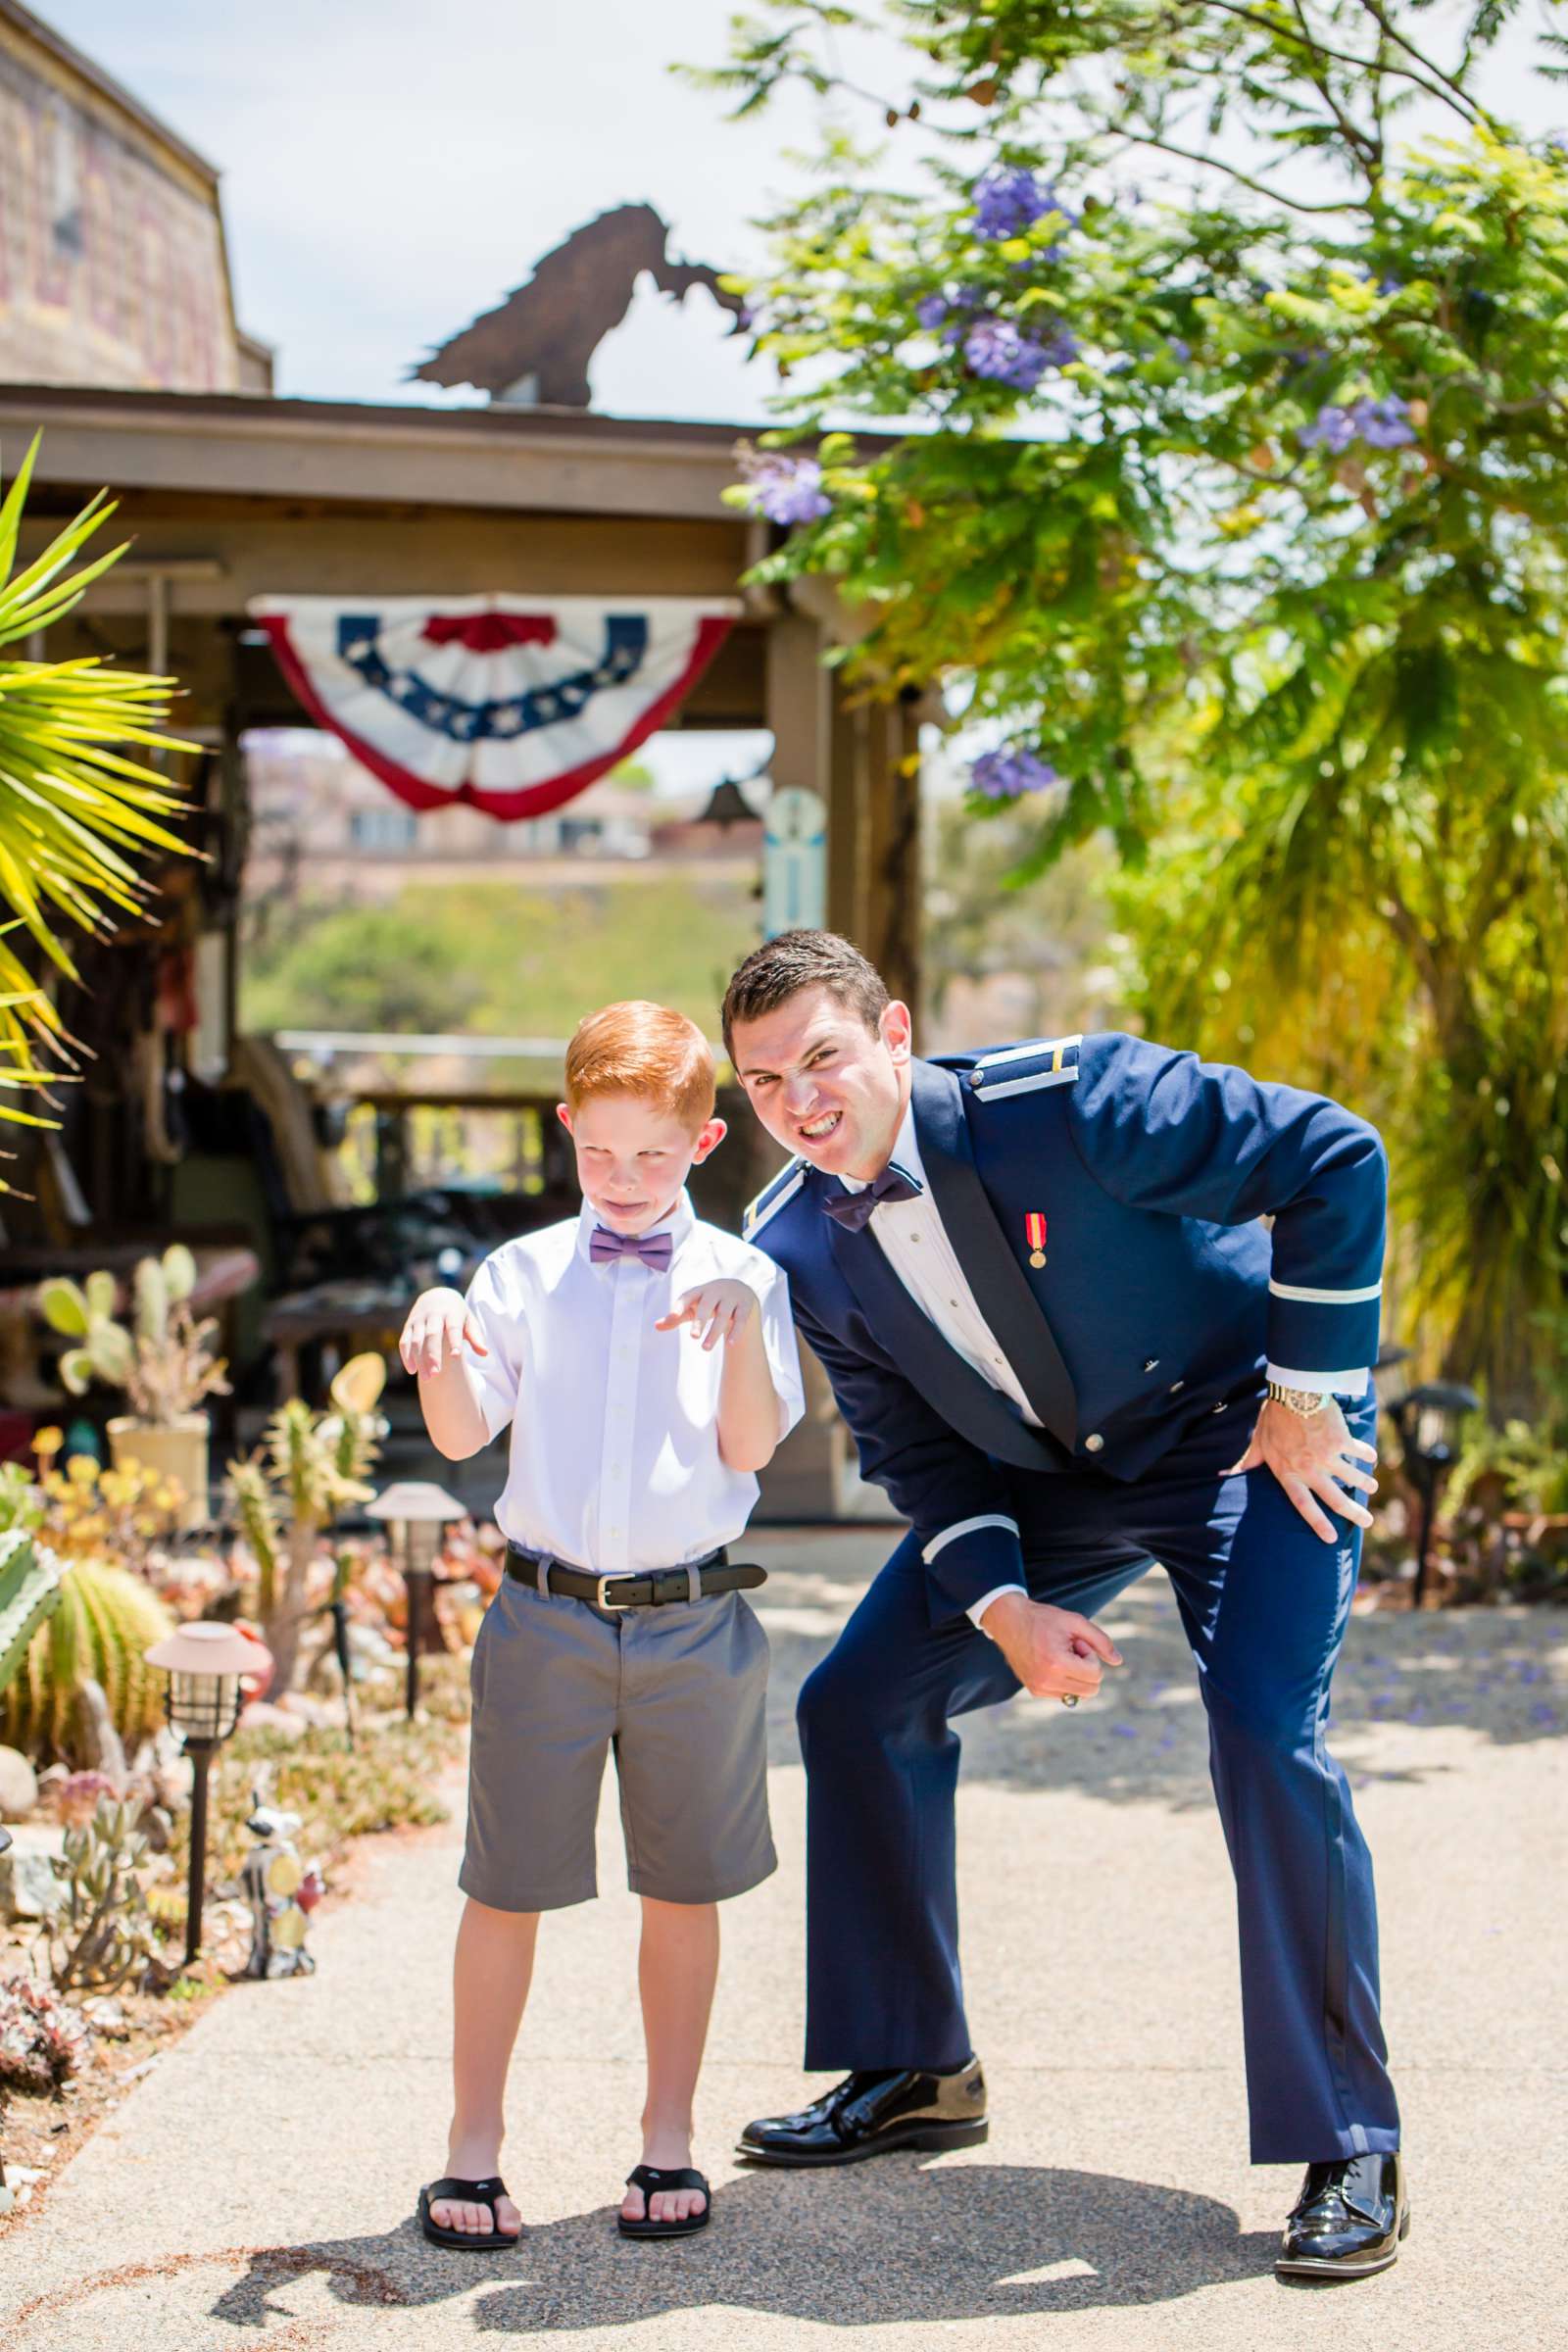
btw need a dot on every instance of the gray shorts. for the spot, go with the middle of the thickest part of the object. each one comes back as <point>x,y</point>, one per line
<point>680,1693</point>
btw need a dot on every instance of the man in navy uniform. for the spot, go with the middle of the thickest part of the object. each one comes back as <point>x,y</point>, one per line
<point>1086,1303</point>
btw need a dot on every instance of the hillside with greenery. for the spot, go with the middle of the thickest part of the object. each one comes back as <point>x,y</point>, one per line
<point>501,959</point>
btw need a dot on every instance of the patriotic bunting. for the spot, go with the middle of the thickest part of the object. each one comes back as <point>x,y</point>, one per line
<point>511,704</point>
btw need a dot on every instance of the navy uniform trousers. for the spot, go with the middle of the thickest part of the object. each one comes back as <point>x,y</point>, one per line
<point>1264,1603</point>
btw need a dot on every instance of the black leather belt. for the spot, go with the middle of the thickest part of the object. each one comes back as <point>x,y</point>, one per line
<point>654,1590</point>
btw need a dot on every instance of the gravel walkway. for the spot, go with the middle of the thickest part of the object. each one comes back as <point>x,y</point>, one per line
<point>257,2188</point>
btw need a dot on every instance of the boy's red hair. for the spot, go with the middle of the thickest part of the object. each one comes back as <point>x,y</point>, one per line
<point>646,1050</point>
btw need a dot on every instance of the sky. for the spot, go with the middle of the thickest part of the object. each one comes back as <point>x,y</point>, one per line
<point>390,168</point>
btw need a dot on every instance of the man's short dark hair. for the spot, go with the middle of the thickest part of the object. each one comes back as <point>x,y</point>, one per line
<point>781,967</point>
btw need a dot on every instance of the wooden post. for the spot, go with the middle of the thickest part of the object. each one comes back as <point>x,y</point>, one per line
<point>849,805</point>
<point>798,704</point>
<point>891,854</point>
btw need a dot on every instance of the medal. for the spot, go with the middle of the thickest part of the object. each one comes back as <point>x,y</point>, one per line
<point>1034,1226</point>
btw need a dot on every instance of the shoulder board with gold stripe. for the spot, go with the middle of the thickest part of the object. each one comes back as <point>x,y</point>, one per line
<point>772,1196</point>
<point>1025,1069</point>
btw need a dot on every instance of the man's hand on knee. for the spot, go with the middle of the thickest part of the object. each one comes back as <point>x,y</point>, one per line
<point>1055,1653</point>
<point>1318,1461</point>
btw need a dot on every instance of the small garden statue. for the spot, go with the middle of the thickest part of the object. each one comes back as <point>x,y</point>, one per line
<point>280,1891</point>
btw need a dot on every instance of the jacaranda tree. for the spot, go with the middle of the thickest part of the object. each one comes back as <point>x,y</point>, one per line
<point>1220,347</point>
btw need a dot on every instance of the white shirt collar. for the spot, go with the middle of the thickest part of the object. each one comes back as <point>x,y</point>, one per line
<point>678,1224</point>
<point>905,1150</point>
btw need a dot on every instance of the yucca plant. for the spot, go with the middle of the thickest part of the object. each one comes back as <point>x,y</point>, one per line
<point>75,812</point>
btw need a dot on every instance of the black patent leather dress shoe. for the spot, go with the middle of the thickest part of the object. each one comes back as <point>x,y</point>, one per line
<point>1347,2221</point>
<point>870,2114</point>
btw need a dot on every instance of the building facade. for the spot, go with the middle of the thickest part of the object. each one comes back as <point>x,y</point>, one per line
<point>113,264</point>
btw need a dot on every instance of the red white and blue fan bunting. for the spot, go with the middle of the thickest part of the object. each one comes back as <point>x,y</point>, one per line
<point>511,704</point>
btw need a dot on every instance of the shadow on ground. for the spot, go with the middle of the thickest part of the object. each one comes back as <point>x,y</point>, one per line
<point>956,2242</point>
<point>1501,1674</point>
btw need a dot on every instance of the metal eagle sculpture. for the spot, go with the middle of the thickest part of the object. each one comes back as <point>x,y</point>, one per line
<point>536,344</point>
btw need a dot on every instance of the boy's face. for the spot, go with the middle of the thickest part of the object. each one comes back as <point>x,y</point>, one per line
<point>633,1158</point>
<point>823,1084</point>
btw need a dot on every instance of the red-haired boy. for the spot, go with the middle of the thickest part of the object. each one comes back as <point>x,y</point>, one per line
<point>631,1467</point>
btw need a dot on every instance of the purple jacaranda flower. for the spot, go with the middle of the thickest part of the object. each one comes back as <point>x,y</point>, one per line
<point>787,490</point>
<point>1007,202</point>
<point>995,348</point>
<point>998,349</point>
<point>1332,429</point>
<point>1384,423</point>
<point>1002,776</point>
<point>1180,350</point>
<point>931,310</point>
<point>1390,285</point>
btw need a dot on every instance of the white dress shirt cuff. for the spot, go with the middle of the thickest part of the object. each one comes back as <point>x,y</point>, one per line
<point>978,1610</point>
<point>1328,1384</point>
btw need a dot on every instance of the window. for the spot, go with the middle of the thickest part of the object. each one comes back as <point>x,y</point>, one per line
<point>389,828</point>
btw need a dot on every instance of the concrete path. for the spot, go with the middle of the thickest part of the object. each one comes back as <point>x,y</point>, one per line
<point>257,2188</point>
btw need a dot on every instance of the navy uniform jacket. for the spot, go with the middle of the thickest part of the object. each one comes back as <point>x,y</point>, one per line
<point>1163,1292</point>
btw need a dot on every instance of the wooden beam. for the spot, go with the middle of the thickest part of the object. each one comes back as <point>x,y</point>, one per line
<point>892,855</point>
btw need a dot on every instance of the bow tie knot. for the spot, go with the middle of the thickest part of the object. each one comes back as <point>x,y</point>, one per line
<point>853,1210</point>
<point>653,1248</point>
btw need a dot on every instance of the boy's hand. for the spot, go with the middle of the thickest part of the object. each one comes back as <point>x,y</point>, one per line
<point>432,1337</point>
<point>723,1307</point>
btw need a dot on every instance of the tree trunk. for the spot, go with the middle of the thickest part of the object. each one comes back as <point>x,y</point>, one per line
<point>282,1632</point>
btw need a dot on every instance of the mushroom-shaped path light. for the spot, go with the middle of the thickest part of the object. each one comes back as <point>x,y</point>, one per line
<point>416,1512</point>
<point>205,1663</point>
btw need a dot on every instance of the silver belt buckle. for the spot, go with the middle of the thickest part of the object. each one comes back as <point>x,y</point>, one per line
<point>601,1600</point>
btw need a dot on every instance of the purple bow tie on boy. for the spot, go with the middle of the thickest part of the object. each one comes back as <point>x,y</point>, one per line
<point>854,1209</point>
<point>653,1248</point>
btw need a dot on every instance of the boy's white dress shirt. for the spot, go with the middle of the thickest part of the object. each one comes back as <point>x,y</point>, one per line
<point>613,1461</point>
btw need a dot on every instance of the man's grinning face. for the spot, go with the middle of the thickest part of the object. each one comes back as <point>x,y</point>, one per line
<point>824,1085</point>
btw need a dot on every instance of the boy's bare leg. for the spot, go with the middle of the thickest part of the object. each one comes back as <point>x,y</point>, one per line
<point>491,1970</point>
<point>678,1968</point>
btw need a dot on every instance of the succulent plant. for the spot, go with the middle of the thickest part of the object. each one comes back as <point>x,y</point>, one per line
<point>103,1932</point>
<point>293,1486</point>
<point>105,1621</point>
<point>43,2039</point>
<point>166,1363</point>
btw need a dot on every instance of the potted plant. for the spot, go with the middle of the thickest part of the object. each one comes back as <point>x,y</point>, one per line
<point>165,1364</point>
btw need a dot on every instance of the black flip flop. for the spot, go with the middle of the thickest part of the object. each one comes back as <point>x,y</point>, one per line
<point>466,2193</point>
<point>651,2178</point>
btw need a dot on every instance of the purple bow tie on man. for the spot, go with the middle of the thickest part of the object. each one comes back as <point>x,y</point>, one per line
<point>854,1209</point>
<point>653,1248</point>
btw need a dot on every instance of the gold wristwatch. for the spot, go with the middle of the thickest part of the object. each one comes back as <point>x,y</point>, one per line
<point>1303,1402</point>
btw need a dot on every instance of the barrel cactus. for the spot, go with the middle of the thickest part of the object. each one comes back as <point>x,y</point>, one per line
<point>104,1623</point>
